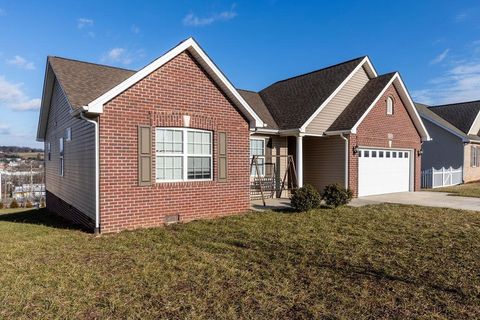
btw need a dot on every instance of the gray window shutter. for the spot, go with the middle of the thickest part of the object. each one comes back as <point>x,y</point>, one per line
<point>144,155</point>
<point>268,157</point>
<point>222,157</point>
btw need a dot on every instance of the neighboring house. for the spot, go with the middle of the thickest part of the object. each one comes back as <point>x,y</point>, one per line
<point>171,142</point>
<point>453,155</point>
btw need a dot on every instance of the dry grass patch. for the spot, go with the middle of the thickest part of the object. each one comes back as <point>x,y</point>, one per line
<point>385,261</point>
<point>462,190</point>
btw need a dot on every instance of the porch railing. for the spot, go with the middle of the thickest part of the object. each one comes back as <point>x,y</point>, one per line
<point>444,177</point>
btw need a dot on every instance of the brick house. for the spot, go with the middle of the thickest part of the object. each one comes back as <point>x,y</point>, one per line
<point>173,141</point>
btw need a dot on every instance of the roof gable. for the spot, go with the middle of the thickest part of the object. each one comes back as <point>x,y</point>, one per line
<point>293,101</point>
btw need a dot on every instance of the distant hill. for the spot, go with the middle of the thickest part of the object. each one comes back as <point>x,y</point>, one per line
<point>15,149</point>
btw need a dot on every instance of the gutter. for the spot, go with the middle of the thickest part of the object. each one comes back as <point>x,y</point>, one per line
<point>97,171</point>
<point>346,159</point>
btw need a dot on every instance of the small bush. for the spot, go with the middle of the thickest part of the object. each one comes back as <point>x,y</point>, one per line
<point>28,204</point>
<point>42,203</point>
<point>335,195</point>
<point>14,204</point>
<point>1,205</point>
<point>305,199</point>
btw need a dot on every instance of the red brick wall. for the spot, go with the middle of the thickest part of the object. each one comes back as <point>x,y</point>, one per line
<point>161,99</point>
<point>374,130</point>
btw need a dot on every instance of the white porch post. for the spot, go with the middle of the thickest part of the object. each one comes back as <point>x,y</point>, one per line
<point>299,161</point>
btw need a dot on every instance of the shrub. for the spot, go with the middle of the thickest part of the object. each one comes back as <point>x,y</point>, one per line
<point>1,205</point>
<point>42,203</point>
<point>28,204</point>
<point>335,195</point>
<point>14,204</point>
<point>305,199</point>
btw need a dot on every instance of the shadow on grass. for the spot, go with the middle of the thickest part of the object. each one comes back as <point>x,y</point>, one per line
<point>41,217</point>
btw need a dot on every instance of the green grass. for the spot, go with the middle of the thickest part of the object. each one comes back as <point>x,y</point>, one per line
<point>385,261</point>
<point>462,190</point>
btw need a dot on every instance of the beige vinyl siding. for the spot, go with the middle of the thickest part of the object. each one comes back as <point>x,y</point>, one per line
<point>323,161</point>
<point>470,173</point>
<point>339,102</point>
<point>77,186</point>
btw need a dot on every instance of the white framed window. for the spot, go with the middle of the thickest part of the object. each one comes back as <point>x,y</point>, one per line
<point>389,105</point>
<point>183,154</point>
<point>257,148</point>
<point>68,134</point>
<point>62,158</point>
<point>475,157</point>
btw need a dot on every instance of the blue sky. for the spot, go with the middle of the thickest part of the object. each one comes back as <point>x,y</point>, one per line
<point>434,44</point>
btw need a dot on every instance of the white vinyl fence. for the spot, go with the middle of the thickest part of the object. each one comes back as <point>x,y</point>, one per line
<point>433,178</point>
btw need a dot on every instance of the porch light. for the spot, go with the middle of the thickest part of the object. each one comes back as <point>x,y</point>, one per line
<point>355,149</point>
<point>420,152</point>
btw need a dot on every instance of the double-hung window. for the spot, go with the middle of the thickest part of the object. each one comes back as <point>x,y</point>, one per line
<point>475,157</point>
<point>257,148</point>
<point>183,154</point>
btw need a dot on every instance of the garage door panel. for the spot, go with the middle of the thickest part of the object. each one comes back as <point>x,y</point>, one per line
<point>383,171</point>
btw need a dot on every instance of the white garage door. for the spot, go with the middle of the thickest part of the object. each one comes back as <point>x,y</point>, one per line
<point>383,171</point>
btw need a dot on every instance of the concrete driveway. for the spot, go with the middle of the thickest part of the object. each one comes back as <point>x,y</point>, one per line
<point>421,198</point>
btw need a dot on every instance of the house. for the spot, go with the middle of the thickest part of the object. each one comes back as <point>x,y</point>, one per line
<point>174,141</point>
<point>453,156</point>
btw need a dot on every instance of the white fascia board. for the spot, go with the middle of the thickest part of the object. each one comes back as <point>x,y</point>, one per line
<point>303,128</point>
<point>337,132</point>
<point>48,80</point>
<point>409,105</point>
<point>475,128</point>
<point>438,124</point>
<point>96,106</point>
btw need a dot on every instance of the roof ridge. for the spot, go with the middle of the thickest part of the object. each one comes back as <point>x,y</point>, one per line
<point>246,90</point>
<point>92,63</point>
<point>314,71</point>
<point>453,104</point>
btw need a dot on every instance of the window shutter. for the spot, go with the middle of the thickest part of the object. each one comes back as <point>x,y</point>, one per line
<point>472,156</point>
<point>144,155</point>
<point>268,157</point>
<point>222,157</point>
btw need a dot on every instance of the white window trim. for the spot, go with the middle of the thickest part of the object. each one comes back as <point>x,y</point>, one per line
<point>390,112</point>
<point>68,134</point>
<point>260,157</point>
<point>475,156</point>
<point>184,155</point>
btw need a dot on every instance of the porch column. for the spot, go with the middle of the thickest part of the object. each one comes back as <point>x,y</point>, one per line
<point>299,162</point>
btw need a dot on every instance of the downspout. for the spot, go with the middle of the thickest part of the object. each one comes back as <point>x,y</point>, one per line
<point>97,172</point>
<point>346,159</point>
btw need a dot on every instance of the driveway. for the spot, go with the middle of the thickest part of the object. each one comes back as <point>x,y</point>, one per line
<point>422,198</point>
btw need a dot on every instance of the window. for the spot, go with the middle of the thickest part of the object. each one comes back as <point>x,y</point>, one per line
<point>380,154</point>
<point>389,105</point>
<point>374,154</point>
<point>68,134</point>
<point>394,154</point>
<point>475,156</point>
<point>257,148</point>
<point>400,154</point>
<point>366,153</point>
<point>387,154</point>
<point>405,154</point>
<point>62,160</point>
<point>183,154</point>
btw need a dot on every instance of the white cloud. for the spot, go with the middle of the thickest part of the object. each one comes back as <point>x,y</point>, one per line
<point>196,21</point>
<point>440,57</point>
<point>21,63</point>
<point>84,23</point>
<point>118,55</point>
<point>460,17</point>
<point>13,97</point>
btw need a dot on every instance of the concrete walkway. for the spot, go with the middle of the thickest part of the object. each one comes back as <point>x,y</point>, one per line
<point>422,198</point>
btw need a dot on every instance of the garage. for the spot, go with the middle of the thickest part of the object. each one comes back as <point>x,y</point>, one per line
<point>383,171</point>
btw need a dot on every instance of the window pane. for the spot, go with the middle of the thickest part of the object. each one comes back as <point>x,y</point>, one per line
<point>199,168</point>
<point>366,153</point>
<point>199,142</point>
<point>169,168</point>
<point>169,141</point>
<point>380,154</point>
<point>374,154</point>
<point>257,147</point>
<point>261,167</point>
<point>387,154</point>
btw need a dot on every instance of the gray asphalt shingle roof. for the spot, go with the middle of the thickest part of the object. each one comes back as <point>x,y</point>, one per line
<point>461,115</point>
<point>83,82</point>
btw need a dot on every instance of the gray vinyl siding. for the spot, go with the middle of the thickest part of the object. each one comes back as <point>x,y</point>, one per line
<point>338,103</point>
<point>445,150</point>
<point>323,161</point>
<point>77,186</point>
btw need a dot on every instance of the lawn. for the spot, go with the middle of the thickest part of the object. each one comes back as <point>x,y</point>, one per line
<point>462,190</point>
<point>384,261</point>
